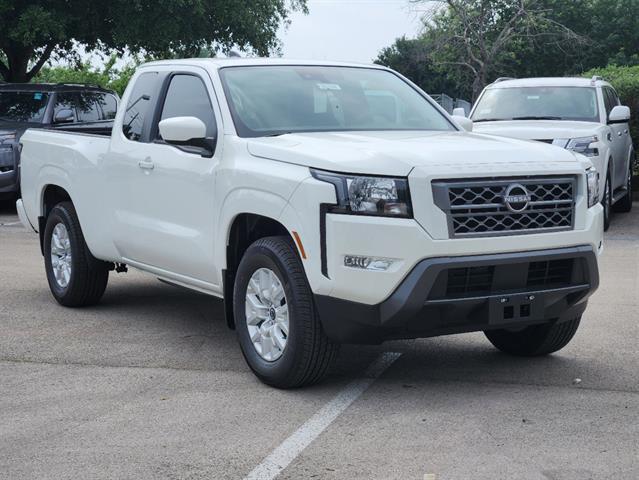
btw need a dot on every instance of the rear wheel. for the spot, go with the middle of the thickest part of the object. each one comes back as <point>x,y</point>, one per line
<point>625,204</point>
<point>76,278</point>
<point>536,340</point>
<point>278,329</point>
<point>606,202</point>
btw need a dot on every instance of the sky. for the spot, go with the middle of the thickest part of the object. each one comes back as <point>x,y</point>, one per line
<point>348,30</point>
<point>340,30</point>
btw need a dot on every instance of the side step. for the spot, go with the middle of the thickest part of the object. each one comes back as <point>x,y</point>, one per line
<point>619,193</point>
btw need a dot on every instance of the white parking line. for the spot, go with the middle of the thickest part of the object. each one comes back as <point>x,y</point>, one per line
<point>290,448</point>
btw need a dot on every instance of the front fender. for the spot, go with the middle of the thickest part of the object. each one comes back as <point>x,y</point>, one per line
<point>237,202</point>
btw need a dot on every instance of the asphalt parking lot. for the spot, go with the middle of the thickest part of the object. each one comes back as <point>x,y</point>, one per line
<point>151,384</point>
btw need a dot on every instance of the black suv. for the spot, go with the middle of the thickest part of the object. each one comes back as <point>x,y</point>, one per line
<point>76,107</point>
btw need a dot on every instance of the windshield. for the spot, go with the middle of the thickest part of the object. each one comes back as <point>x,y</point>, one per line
<point>27,107</point>
<point>538,103</point>
<point>274,100</point>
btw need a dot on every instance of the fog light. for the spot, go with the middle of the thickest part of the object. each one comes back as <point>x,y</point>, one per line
<point>368,263</point>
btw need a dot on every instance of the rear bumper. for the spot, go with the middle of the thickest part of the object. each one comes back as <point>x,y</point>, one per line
<point>470,293</point>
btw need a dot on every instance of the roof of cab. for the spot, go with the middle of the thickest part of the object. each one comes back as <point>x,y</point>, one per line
<point>254,61</point>
<point>549,82</point>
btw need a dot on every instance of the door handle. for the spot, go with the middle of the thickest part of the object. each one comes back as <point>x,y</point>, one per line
<point>146,164</point>
<point>619,134</point>
<point>626,131</point>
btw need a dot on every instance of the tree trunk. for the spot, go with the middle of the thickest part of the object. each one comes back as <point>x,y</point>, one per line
<point>16,69</point>
<point>479,82</point>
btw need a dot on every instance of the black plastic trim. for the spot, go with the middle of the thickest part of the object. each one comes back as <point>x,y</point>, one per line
<point>409,312</point>
<point>324,207</point>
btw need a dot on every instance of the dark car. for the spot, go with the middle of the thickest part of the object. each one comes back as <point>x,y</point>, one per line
<point>75,107</point>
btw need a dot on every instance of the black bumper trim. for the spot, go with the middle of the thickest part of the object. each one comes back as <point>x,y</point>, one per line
<point>409,312</point>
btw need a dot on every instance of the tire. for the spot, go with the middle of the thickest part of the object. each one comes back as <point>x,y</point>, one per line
<point>625,204</point>
<point>536,340</point>
<point>606,202</point>
<point>308,353</point>
<point>88,276</point>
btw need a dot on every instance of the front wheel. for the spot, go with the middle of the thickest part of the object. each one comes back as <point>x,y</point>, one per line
<point>278,328</point>
<point>535,340</point>
<point>76,278</point>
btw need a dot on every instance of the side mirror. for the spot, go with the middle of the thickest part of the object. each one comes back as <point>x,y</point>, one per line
<point>465,123</point>
<point>187,132</point>
<point>182,129</point>
<point>459,112</point>
<point>64,115</point>
<point>619,114</point>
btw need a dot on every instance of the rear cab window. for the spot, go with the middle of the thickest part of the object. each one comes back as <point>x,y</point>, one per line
<point>139,108</point>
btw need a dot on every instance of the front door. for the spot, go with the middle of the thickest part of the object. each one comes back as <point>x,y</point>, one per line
<point>164,215</point>
<point>619,142</point>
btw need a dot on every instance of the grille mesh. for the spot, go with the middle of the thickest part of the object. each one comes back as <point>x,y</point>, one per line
<point>480,280</point>
<point>478,207</point>
<point>470,280</point>
<point>549,272</point>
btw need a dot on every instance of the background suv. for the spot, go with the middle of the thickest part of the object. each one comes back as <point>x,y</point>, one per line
<point>583,115</point>
<point>81,108</point>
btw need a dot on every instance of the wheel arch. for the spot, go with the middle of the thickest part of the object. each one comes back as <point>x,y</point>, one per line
<point>51,195</point>
<point>244,229</point>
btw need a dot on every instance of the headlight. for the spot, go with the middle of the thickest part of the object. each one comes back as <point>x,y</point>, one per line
<point>593,187</point>
<point>584,145</point>
<point>362,195</point>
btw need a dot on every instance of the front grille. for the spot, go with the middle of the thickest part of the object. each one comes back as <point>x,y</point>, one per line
<point>506,206</point>
<point>548,273</point>
<point>545,140</point>
<point>461,282</point>
<point>470,280</point>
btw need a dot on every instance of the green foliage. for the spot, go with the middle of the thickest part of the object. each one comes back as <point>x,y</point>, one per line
<point>481,38</point>
<point>556,38</point>
<point>108,76</point>
<point>625,79</point>
<point>31,31</point>
<point>410,57</point>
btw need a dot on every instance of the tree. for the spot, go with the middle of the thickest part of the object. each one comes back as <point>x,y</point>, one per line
<point>107,76</point>
<point>32,31</point>
<point>606,41</point>
<point>411,58</point>
<point>479,36</point>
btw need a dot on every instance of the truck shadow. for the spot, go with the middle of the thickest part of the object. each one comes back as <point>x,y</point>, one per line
<point>190,329</point>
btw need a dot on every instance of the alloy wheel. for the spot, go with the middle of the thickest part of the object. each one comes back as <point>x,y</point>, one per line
<point>267,315</point>
<point>61,256</point>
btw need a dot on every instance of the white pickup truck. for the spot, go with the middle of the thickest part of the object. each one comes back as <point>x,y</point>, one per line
<point>326,203</point>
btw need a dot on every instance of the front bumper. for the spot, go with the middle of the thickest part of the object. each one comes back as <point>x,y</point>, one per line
<point>448,295</point>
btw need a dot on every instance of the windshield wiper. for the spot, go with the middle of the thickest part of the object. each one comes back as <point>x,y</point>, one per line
<point>533,117</point>
<point>490,120</point>
<point>277,134</point>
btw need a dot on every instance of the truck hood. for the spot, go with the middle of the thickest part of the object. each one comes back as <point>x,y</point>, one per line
<point>397,153</point>
<point>537,129</point>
